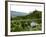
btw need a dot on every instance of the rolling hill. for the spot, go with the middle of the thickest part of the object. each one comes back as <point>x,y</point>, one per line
<point>15,13</point>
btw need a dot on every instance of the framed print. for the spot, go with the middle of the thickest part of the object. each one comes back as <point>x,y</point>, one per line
<point>24,18</point>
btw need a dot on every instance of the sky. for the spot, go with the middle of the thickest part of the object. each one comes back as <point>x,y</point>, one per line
<point>26,8</point>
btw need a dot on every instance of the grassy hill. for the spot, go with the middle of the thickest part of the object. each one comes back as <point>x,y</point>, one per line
<point>34,15</point>
<point>17,25</point>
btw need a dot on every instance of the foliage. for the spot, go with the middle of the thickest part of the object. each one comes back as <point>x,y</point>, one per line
<point>17,26</point>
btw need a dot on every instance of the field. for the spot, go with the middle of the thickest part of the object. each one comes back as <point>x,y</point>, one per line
<point>23,23</point>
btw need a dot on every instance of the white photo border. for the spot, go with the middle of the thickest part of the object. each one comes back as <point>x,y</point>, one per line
<point>7,20</point>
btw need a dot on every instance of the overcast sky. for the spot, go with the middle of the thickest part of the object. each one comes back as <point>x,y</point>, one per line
<point>26,7</point>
